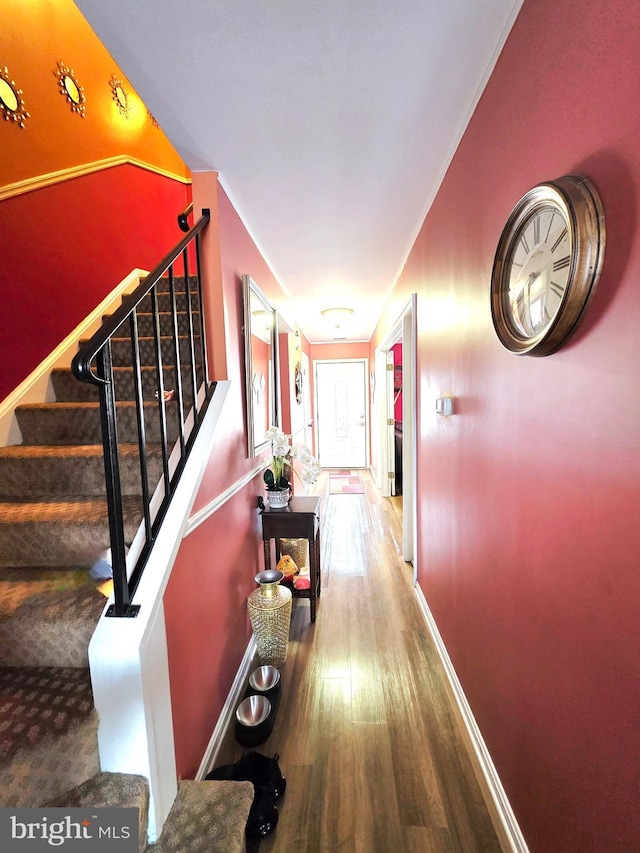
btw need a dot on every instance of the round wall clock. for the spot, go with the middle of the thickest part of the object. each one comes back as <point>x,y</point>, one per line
<point>547,265</point>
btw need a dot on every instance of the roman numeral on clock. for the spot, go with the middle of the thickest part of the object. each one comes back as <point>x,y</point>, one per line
<point>562,263</point>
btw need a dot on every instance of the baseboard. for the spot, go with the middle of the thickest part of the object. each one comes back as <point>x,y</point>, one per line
<point>226,717</point>
<point>505,822</point>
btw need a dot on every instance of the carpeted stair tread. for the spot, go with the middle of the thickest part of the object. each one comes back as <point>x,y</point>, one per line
<point>165,320</point>
<point>79,423</point>
<point>164,300</point>
<point>110,790</point>
<point>28,471</point>
<point>207,817</point>
<point>69,390</point>
<point>47,616</point>
<point>121,350</point>
<point>60,533</point>
<point>48,739</point>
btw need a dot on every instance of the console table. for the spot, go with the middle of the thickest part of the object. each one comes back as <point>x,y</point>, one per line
<point>300,519</point>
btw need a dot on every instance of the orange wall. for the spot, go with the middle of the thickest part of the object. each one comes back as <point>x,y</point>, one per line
<point>34,37</point>
<point>528,496</point>
<point>66,245</point>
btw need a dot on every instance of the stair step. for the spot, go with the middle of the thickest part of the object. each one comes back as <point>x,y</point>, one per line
<point>72,532</point>
<point>207,816</point>
<point>47,616</point>
<point>79,423</point>
<point>68,389</point>
<point>33,471</point>
<point>164,300</point>
<point>111,790</point>
<point>145,323</point>
<point>121,350</point>
<point>49,733</point>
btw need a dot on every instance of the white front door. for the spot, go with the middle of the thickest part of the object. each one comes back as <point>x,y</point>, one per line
<point>341,413</point>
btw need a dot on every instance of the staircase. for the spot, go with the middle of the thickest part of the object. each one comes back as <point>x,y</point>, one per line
<point>53,529</point>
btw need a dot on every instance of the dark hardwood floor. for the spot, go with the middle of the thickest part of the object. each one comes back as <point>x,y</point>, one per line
<point>368,741</point>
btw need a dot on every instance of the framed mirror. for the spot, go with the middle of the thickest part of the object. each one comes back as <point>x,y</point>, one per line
<point>261,365</point>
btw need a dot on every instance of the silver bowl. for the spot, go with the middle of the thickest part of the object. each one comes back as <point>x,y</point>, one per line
<point>264,678</point>
<point>253,710</point>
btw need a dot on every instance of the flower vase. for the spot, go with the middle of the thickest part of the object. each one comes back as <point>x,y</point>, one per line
<point>278,498</point>
<point>270,613</point>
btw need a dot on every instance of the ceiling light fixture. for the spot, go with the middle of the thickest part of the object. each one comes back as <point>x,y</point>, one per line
<point>336,315</point>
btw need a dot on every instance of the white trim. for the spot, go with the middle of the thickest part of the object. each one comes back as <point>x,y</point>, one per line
<point>213,506</point>
<point>227,714</point>
<point>36,388</point>
<point>503,808</point>
<point>50,178</point>
<point>128,657</point>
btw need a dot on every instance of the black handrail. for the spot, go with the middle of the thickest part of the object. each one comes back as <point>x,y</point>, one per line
<point>183,218</point>
<point>192,394</point>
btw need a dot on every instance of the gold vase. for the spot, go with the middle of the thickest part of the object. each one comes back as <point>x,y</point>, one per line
<point>270,613</point>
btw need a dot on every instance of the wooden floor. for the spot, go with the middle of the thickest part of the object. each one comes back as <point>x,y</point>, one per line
<point>367,739</point>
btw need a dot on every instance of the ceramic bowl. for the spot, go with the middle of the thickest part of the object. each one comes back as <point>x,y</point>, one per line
<point>264,678</point>
<point>253,710</point>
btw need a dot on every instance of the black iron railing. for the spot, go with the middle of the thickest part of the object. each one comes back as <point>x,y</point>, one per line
<point>183,218</point>
<point>175,344</point>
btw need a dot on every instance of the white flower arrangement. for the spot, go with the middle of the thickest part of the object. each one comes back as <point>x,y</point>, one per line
<point>282,453</point>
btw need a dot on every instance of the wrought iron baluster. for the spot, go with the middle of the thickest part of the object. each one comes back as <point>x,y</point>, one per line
<point>203,337</point>
<point>192,353</point>
<point>142,430</point>
<point>162,404</point>
<point>122,598</point>
<point>176,357</point>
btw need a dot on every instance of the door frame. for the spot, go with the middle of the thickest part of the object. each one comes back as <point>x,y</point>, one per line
<point>404,329</point>
<point>318,425</point>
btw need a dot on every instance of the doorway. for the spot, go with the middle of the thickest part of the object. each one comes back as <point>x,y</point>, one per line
<point>395,418</point>
<point>341,413</point>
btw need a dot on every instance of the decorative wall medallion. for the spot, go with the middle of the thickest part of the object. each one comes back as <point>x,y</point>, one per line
<point>11,102</point>
<point>298,383</point>
<point>120,95</point>
<point>71,89</point>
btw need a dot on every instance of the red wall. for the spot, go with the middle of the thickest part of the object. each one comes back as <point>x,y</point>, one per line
<point>208,628</point>
<point>529,494</point>
<point>63,248</point>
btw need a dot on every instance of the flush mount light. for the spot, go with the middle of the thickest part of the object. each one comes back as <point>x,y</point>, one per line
<point>11,101</point>
<point>336,313</point>
<point>120,95</point>
<point>71,89</point>
<point>336,316</point>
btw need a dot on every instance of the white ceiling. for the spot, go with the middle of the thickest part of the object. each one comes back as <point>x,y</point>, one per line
<point>330,122</point>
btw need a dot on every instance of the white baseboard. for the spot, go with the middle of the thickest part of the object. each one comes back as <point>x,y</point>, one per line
<point>504,813</point>
<point>227,714</point>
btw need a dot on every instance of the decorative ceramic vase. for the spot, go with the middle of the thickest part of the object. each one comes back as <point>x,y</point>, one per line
<point>270,613</point>
<point>278,498</point>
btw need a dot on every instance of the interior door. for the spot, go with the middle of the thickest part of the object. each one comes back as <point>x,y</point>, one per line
<point>341,413</point>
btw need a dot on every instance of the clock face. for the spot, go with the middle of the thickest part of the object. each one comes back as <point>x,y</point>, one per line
<point>539,267</point>
<point>547,265</point>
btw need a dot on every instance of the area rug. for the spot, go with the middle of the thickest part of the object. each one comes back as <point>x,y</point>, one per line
<point>345,482</point>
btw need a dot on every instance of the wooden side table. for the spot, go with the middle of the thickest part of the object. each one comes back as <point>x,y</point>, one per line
<point>300,519</point>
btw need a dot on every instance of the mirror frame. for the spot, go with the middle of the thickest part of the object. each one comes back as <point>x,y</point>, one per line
<point>252,293</point>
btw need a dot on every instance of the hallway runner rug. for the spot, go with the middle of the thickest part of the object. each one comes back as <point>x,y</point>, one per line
<point>345,482</point>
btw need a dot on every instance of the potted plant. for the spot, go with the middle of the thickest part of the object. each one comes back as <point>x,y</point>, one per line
<point>277,477</point>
